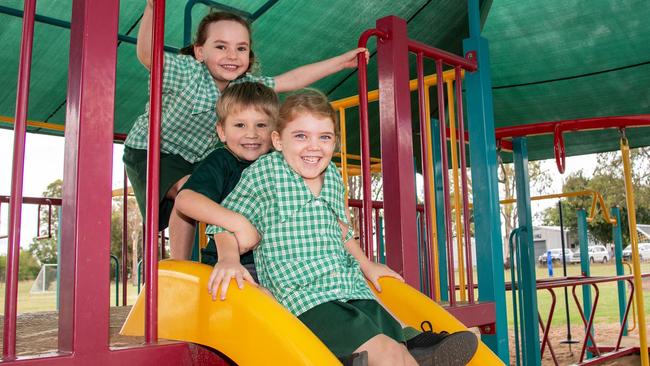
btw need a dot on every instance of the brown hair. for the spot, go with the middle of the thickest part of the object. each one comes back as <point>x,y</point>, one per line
<point>218,16</point>
<point>307,101</point>
<point>249,95</point>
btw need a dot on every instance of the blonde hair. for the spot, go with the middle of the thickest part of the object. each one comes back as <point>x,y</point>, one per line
<point>307,101</point>
<point>249,95</point>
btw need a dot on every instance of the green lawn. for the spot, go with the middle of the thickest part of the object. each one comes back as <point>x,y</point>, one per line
<point>34,302</point>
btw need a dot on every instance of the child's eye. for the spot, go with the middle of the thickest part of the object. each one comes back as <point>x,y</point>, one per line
<point>242,49</point>
<point>220,47</point>
<point>262,125</point>
<point>326,137</point>
<point>239,125</point>
<point>300,136</point>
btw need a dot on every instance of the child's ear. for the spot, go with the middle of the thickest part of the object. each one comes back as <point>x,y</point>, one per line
<point>275,139</point>
<point>198,53</point>
<point>221,132</point>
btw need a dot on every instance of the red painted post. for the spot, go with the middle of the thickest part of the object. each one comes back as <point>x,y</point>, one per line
<point>125,237</point>
<point>463,173</point>
<point>397,149</point>
<point>366,177</point>
<point>153,175</point>
<point>17,175</point>
<point>86,204</point>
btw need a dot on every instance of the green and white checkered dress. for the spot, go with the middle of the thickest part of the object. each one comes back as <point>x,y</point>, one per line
<point>188,110</point>
<point>301,258</point>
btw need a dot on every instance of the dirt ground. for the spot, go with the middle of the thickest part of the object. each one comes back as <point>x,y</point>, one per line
<point>37,334</point>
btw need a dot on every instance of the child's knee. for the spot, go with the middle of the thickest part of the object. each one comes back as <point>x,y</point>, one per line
<point>383,350</point>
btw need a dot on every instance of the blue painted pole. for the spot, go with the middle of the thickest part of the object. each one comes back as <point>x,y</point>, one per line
<point>585,265</point>
<point>549,263</point>
<point>620,271</point>
<point>482,152</point>
<point>528,283</point>
<point>439,195</point>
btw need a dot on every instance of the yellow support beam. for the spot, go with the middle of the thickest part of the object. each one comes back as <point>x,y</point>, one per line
<point>634,242</point>
<point>38,124</point>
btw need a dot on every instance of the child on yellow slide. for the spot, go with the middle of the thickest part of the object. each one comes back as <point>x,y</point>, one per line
<point>307,257</point>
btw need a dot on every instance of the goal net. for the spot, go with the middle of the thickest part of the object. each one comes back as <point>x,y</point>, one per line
<point>46,280</point>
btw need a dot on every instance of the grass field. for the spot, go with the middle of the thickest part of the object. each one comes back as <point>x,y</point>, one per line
<point>35,302</point>
<point>607,311</point>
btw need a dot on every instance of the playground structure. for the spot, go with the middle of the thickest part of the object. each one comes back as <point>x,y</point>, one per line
<point>83,340</point>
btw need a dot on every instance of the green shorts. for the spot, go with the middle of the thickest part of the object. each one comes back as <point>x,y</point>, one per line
<point>172,169</point>
<point>345,326</point>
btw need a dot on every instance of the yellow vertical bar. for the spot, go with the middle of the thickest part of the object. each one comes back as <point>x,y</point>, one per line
<point>634,242</point>
<point>344,150</point>
<point>434,241</point>
<point>457,207</point>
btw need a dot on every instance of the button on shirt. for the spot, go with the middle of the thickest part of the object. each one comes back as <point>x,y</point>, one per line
<point>301,259</point>
<point>188,109</point>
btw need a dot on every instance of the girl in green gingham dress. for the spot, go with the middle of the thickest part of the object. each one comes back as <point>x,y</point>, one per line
<point>307,257</point>
<point>192,83</point>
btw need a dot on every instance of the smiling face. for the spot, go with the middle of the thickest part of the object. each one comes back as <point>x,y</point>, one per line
<point>247,133</point>
<point>225,52</point>
<point>307,143</point>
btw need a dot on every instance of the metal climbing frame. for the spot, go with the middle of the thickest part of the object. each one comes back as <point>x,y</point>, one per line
<point>393,49</point>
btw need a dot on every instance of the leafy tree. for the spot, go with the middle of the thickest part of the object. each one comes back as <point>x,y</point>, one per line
<point>45,250</point>
<point>608,180</point>
<point>538,178</point>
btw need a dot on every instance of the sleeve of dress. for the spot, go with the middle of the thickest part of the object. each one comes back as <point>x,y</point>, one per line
<point>176,71</point>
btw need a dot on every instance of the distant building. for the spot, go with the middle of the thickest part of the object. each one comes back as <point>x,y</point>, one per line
<point>549,237</point>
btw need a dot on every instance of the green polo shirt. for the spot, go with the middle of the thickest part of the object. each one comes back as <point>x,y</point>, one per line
<point>215,177</point>
<point>189,99</point>
<point>301,259</point>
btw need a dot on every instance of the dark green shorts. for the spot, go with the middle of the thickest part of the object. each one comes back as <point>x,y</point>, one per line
<point>172,169</point>
<point>344,326</point>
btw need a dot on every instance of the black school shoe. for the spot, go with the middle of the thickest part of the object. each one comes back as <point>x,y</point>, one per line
<point>355,359</point>
<point>442,349</point>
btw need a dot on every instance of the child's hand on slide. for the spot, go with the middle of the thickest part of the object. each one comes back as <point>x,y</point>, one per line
<point>373,271</point>
<point>223,272</point>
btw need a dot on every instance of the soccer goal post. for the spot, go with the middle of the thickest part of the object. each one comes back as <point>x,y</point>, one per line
<point>46,280</point>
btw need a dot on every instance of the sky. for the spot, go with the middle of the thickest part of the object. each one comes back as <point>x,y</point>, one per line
<point>45,157</point>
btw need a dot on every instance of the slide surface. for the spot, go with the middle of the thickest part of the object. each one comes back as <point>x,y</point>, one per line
<point>253,329</point>
<point>412,308</point>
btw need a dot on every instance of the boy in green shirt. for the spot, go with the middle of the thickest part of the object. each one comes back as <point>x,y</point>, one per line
<point>248,114</point>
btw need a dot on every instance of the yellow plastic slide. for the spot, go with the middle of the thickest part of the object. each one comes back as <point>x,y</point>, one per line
<point>413,307</point>
<point>253,329</point>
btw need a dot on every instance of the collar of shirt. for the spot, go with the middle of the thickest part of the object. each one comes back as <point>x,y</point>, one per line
<point>291,200</point>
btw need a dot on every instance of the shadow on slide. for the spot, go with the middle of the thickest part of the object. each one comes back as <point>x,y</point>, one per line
<point>251,328</point>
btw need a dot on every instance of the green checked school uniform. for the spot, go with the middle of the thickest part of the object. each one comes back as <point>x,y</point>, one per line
<point>188,127</point>
<point>301,258</point>
<point>215,177</point>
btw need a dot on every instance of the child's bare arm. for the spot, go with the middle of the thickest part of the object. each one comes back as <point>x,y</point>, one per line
<point>228,267</point>
<point>201,208</point>
<point>143,47</point>
<point>303,76</point>
<point>371,270</point>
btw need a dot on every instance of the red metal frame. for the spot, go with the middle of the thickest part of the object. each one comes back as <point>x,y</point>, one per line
<point>17,175</point>
<point>465,189</point>
<point>603,353</point>
<point>153,175</point>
